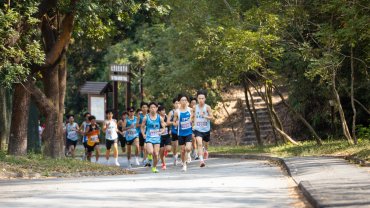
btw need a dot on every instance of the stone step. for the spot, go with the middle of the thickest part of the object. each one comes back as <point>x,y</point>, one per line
<point>260,121</point>
<point>263,134</point>
<point>260,116</point>
<point>262,127</point>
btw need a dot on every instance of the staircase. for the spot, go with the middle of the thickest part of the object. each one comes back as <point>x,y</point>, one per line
<point>264,122</point>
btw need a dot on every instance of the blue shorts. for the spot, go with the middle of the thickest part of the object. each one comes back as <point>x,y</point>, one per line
<point>155,140</point>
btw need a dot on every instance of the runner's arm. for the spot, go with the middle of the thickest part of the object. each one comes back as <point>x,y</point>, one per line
<point>143,126</point>
<point>175,119</point>
<point>163,125</point>
<point>210,113</point>
<point>169,122</point>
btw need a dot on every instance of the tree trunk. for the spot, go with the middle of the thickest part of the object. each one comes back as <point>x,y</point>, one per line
<point>256,116</point>
<point>340,109</point>
<point>353,99</point>
<point>19,123</point>
<point>33,143</point>
<point>232,125</point>
<point>5,117</point>
<point>300,117</point>
<point>253,118</point>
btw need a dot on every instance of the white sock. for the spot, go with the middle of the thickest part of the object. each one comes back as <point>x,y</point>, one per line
<point>116,159</point>
<point>201,158</point>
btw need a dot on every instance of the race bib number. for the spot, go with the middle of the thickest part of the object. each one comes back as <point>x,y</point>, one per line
<point>72,134</point>
<point>185,125</point>
<point>154,132</point>
<point>94,138</point>
<point>201,124</point>
<point>131,132</point>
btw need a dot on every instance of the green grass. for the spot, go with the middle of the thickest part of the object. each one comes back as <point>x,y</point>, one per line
<point>36,163</point>
<point>309,148</point>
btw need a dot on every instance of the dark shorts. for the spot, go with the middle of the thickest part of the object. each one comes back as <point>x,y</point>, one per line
<point>130,142</point>
<point>184,139</point>
<point>141,140</point>
<point>165,140</point>
<point>206,136</point>
<point>122,141</point>
<point>175,137</point>
<point>109,143</point>
<point>71,142</point>
<point>85,145</point>
<point>91,148</point>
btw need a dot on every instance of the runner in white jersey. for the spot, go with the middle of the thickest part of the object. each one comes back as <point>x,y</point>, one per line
<point>111,137</point>
<point>83,128</point>
<point>202,125</point>
<point>72,129</point>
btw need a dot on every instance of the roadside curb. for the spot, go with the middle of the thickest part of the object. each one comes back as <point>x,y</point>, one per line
<point>303,186</point>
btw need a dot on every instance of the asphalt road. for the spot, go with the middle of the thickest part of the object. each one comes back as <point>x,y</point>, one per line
<point>222,183</point>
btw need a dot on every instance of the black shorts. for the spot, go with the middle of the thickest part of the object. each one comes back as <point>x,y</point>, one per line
<point>141,140</point>
<point>206,136</point>
<point>165,140</point>
<point>130,142</point>
<point>91,148</point>
<point>122,141</point>
<point>109,143</point>
<point>85,145</point>
<point>71,142</point>
<point>184,139</point>
<point>175,137</point>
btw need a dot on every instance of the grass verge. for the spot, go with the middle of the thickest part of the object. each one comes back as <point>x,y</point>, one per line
<point>36,166</point>
<point>308,148</point>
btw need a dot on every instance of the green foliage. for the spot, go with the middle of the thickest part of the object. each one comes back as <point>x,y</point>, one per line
<point>363,132</point>
<point>20,46</point>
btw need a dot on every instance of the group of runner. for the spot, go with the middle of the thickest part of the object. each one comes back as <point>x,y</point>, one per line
<point>152,132</point>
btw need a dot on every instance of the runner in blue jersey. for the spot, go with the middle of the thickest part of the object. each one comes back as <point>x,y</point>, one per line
<point>132,136</point>
<point>175,142</point>
<point>202,125</point>
<point>183,120</point>
<point>152,128</point>
<point>144,112</point>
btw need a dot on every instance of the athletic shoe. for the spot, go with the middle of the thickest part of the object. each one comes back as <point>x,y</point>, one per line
<point>197,158</point>
<point>117,163</point>
<point>205,155</point>
<point>165,153</point>
<point>150,157</point>
<point>154,170</point>
<point>202,164</point>
<point>184,168</point>
<point>164,166</point>
<point>137,161</point>
<point>174,161</point>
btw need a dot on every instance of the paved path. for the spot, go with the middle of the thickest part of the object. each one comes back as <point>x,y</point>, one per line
<point>331,182</point>
<point>223,183</point>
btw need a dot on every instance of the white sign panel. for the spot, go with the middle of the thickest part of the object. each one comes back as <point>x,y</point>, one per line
<point>119,68</point>
<point>119,78</point>
<point>97,107</point>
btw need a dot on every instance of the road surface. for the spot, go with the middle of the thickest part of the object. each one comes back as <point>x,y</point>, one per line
<point>223,183</point>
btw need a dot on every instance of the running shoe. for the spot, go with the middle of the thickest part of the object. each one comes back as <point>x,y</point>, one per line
<point>154,170</point>
<point>164,166</point>
<point>202,164</point>
<point>184,168</point>
<point>137,161</point>
<point>150,157</point>
<point>117,163</point>
<point>205,155</point>
<point>196,158</point>
<point>174,161</point>
<point>165,153</point>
